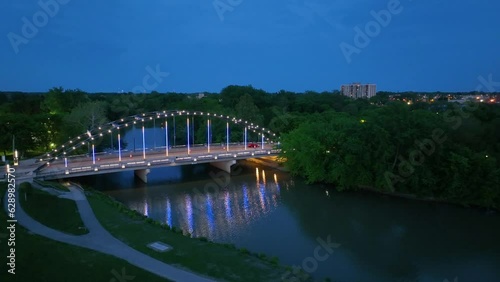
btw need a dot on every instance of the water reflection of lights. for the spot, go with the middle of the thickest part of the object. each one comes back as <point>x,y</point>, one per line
<point>227,204</point>
<point>169,213</point>
<point>246,205</point>
<point>277,184</point>
<point>275,201</point>
<point>210,215</point>
<point>262,194</point>
<point>189,213</point>
<point>217,214</point>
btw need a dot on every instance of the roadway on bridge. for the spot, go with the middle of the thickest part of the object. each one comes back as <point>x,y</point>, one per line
<point>158,156</point>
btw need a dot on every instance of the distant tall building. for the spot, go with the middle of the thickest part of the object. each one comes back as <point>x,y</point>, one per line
<point>357,90</point>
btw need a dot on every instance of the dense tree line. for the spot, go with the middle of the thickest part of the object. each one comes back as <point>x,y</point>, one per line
<point>440,150</point>
<point>450,154</point>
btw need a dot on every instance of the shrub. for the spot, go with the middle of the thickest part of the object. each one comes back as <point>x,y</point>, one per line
<point>274,260</point>
<point>244,251</point>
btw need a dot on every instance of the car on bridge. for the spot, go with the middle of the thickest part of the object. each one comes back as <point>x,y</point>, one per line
<point>253,145</point>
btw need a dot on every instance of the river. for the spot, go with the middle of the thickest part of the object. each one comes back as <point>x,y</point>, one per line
<point>373,237</point>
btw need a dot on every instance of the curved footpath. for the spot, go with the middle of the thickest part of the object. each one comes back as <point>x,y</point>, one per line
<point>99,239</point>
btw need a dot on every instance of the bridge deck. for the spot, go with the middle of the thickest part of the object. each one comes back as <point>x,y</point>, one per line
<point>109,163</point>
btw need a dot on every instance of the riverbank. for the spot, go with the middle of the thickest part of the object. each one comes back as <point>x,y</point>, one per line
<point>272,162</point>
<point>413,197</point>
<point>221,261</point>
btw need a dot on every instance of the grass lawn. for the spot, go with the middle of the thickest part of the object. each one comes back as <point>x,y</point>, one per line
<point>57,213</point>
<point>41,259</point>
<point>215,260</point>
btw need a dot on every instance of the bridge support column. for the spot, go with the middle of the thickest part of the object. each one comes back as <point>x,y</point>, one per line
<point>142,174</point>
<point>224,165</point>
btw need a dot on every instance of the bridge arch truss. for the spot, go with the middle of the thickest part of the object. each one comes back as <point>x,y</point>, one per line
<point>90,137</point>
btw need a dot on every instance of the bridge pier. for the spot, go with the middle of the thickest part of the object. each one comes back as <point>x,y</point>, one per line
<point>224,165</point>
<point>142,174</point>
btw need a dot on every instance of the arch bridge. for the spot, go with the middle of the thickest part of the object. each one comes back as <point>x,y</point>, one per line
<point>88,153</point>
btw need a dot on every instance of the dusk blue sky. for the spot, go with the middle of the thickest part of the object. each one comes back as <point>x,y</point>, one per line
<point>292,45</point>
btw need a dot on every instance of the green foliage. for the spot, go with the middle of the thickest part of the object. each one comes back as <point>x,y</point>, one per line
<point>247,110</point>
<point>394,148</point>
<point>326,137</point>
<point>85,116</point>
<point>59,101</point>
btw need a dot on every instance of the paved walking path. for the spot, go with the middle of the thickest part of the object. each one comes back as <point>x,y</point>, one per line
<point>99,239</point>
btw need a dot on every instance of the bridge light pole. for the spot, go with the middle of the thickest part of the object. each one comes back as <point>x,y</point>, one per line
<point>245,141</point>
<point>262,141</point>
<point>65,162</point>
<point>143,141</point>
<point>192,128</point>
<point>208,135</point>
<point>187,127</point>
<point>227,136</point>
<point>166,138</point>
<point>154,133</point>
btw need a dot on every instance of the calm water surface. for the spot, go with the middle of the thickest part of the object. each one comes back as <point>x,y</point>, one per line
<point>264,210</point>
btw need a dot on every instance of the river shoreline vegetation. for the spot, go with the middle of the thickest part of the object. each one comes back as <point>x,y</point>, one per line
<point>437,150</point>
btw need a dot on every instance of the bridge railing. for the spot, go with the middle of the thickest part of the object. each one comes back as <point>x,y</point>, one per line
<point>159,161</point>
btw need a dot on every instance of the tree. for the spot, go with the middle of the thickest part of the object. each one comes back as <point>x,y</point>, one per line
<point>87,116</point>
<point>247,110</point>
<point>59,101</point>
